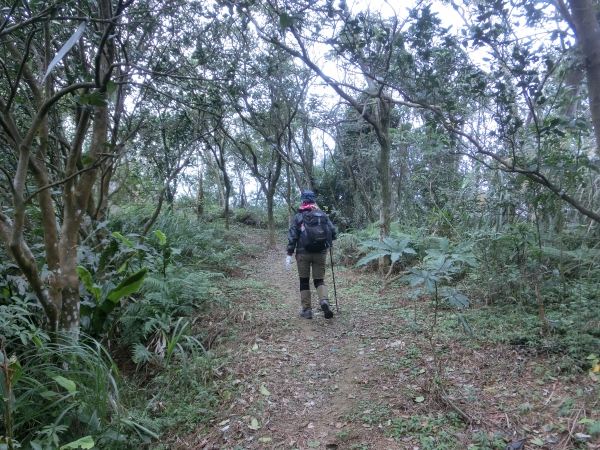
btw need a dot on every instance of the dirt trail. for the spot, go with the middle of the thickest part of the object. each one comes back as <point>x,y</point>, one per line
<point>315,371</point>
<point>362,381</point>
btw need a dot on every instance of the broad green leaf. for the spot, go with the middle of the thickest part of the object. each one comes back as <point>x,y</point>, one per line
<point>413,279</point>
<point>391,242</point>
<point>594,428</point>
<point>85,160</point>
<point>467,258</point>
<point>429,284</point>
<point>537,441</point>
<point>65,48</point>
<point>107,254</point>
<point>313,444</point>
<point>49,394</point>
<point>376,244</point>
<point>465,324</point>
<point>111,87</point>
<point>444,245</point>
<point>128,285</point>
<point>419,399</point>
<point>403,243</point>
<point>464,247</point>
<point>371,256</point>
<point>15,368</point>
<point>95,99</point>
<point>264,391</point>
<point>84,442</point>
<point>123,239</point>
<point>254,424</point>
<point>264,439</point>
<point>438,264</point>
<point>144,433</point>
<point>67,384</point>
<point>161,237</point>
<point>89,284</point>
<point>459,300</point>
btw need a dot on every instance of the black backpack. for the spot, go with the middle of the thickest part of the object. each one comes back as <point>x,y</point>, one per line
<point>315,235</point>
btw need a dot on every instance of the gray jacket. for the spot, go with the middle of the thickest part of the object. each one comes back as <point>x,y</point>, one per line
<point>294,234</point>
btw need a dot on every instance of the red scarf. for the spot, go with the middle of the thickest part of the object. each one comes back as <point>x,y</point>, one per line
<point>306,206</point>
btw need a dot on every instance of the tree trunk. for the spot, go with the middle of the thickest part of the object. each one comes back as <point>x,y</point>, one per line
<point>227,183</point>
<point>583,14</point>
<point>200,197</point>
<point>383,168</point>
<point>76,197</point>
<point>161,199</point>
<point>270,193</point>
<point>221,194</point>
<point>271,220</point>
<point>243,195</point>
<point>309,157</point>
<point>77,193</point>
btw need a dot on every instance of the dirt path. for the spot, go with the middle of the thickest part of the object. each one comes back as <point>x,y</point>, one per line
<point>363,379</point>
<point>315,372</point>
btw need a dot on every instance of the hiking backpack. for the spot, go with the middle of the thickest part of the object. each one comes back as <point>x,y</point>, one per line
<point>315,235</point>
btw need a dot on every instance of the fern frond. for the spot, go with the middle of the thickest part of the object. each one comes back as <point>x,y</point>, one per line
<point>151,284</point>
<point>141,354</point>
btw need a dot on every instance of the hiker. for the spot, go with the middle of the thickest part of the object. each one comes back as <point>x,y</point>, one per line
<point>310,235</point>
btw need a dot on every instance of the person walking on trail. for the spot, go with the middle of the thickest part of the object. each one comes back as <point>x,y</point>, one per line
<point>311,234</point>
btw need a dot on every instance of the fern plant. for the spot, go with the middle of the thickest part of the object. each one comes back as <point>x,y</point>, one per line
<point>163,302</point>
<point>389,247</point>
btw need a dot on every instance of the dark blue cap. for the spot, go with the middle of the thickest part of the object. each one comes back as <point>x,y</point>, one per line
<point>308,197</point>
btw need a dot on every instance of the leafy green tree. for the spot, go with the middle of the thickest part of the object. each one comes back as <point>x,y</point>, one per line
<point>35,101</point>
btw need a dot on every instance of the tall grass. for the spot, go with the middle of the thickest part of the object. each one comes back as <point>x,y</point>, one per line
<point>64,392</point>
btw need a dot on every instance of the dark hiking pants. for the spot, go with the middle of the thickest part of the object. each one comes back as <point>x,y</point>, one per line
<point>306,262</point>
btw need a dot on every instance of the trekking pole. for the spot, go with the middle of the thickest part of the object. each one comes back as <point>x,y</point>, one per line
<point>333,277</point>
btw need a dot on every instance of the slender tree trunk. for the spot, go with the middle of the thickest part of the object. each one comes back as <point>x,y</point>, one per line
<point>271,220</point>
<point>288,192</point>
<point>200,197</point>
<point>227,183</point>
<point>221,194</point>
<point>243,196</point>
<point>161,199</point>
<point>309,157</point>
<point>270,192</point>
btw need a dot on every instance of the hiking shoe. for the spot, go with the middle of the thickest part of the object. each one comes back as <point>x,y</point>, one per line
<point>326,310</point>
<point>307,314</point>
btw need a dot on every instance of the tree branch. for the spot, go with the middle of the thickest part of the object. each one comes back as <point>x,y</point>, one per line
<point>97,164</point>
<point>39,18</point>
